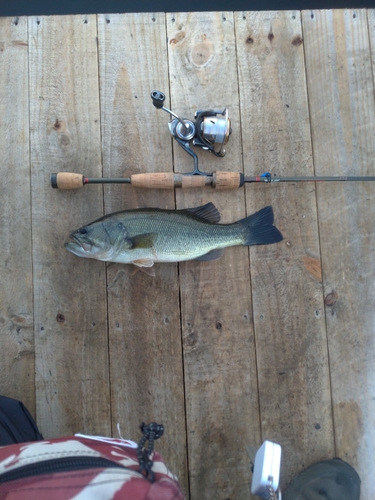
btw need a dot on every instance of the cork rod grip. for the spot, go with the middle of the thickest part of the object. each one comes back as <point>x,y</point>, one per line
<point>159,180</point>
<point>170,180</point>
<point>67,180</point>
<point>227,180</point>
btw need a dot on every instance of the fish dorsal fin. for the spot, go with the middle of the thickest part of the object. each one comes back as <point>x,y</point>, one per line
<point>207,212</point>
<point>212,255</point>
<point>143,240</point>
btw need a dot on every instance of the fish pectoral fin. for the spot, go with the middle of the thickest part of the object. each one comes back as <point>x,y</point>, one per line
<point>143,241</point>
<point>212,255</point>
<point>207,212</point>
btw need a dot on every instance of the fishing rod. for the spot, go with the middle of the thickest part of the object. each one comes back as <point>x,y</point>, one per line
<point>209,131</point>
<point>170,180</point>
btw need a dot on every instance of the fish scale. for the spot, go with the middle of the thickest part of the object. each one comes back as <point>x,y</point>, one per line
<point>178,235</point>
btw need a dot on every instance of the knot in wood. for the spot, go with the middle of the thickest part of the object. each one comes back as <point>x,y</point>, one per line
<point>331,298</point>
<point>191,339</point>
<point>297,40</point>
<point>202,53</point>
<point>60,318</point>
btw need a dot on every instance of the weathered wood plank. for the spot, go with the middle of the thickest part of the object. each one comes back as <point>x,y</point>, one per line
<point>144,313</point>
<point>341,98</point>
<point>16,303</point>
<point>72,380</point>
<point>218,338</point>
<point>371,29</point>
<point>291,343</point>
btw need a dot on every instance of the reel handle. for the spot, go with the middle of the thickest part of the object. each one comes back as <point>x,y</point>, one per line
<point>158,99</point>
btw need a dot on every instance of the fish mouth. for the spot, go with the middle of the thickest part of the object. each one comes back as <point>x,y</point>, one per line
<point>74,245</point>
<point>75,239</point>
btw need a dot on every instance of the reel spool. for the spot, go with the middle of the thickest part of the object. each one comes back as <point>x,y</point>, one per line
<point>213,129</point>
<point>210,131</point>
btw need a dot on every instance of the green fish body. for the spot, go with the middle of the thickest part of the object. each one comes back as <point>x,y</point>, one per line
<point>147,235</point>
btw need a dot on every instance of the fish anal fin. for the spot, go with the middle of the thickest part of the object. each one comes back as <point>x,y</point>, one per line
<point>207,212</point>
<point>212,255</point>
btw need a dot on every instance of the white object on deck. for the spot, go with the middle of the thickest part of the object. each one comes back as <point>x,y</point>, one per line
<point>266,470</point>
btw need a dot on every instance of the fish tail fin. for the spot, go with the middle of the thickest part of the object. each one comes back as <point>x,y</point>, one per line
<point>259,228</point>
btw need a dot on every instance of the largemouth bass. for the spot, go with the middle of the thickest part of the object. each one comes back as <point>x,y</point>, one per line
<point>147,235</point>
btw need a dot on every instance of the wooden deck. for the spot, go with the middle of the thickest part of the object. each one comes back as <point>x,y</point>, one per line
<point>273,343</point>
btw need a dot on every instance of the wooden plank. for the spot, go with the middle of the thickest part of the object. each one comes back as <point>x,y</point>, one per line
<point>291,343</point>
<point>371,29</point>
<point>16,305</point>
<point>144,313</point>
<point>218,338</point>
<point>72,380</point>
<point>341,98</point>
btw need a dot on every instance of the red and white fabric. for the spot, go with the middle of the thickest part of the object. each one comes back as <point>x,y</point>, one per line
<point>93,483</point>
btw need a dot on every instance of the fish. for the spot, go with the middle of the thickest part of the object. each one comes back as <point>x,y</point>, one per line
<point>145,236</point>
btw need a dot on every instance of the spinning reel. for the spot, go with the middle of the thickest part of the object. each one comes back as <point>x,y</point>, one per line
<point>210,131</point>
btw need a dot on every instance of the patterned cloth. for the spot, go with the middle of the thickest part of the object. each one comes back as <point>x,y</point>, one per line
<point>99,483</point>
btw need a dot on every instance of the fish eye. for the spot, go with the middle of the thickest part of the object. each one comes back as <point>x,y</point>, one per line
<point>83,230</point>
